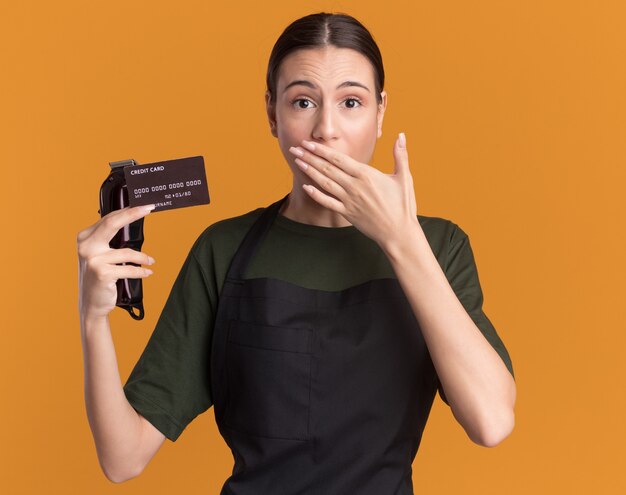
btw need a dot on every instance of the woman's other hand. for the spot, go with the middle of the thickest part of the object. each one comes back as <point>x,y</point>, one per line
<point>380,205</point>
<point>98,269</point>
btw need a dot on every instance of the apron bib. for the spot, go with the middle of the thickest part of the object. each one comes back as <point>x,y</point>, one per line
<point>317,392</point>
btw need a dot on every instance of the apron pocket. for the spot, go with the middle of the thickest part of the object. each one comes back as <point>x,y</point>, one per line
<point>269,380</point>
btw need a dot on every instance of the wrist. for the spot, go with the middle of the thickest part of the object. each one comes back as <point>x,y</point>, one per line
<point>404,239</point>
<point>90,321</point>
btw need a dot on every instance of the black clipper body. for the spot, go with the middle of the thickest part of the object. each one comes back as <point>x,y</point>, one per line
<point>114,196</point>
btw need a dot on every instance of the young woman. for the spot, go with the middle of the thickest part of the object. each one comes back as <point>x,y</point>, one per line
<point>320,327</point>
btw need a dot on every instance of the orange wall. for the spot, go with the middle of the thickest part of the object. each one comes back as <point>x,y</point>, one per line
<point>515,119</point>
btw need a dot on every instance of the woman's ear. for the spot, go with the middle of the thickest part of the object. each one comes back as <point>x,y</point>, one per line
<point>382,106</point>
<point>271,113</point>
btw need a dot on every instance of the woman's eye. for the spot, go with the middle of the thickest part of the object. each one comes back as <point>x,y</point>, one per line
<point>299,102</point>
<point>355,100</point>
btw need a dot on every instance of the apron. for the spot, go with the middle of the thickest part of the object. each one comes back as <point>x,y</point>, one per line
<point>317,392</point>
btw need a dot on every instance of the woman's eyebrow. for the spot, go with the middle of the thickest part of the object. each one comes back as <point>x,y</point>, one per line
<point>309,84</point>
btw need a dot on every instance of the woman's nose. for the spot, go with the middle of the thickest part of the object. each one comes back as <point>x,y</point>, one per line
<point>325,127</point>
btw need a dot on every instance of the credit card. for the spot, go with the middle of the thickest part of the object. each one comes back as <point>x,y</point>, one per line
<point>168,184</point>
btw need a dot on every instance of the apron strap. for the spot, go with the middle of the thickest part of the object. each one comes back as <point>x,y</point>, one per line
<point>251,241</point>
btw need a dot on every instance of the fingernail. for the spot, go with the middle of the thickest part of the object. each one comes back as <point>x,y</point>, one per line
<point>149,207</point>
<point>296,151</point>
<point>402,140</point>
<point>308,144</point>
<point>151,260</point>
<point>150,272</point>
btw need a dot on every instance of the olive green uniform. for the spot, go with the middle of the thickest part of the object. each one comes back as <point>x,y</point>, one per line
<point>170,384</point>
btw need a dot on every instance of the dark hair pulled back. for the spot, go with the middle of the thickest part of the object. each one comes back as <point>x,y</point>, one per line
<point>321,30</point>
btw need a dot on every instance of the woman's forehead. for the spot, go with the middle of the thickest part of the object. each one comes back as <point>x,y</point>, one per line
<point>325,65</point>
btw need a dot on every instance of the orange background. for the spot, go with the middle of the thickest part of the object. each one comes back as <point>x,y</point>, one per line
<point>515,119</point>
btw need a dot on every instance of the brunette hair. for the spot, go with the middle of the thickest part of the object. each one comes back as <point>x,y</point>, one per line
<point>320,30</point>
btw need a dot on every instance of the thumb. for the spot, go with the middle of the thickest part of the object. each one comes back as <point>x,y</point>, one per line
<point>400,155</point>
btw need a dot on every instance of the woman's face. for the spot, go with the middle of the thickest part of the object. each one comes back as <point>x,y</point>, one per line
<point>326,95</point>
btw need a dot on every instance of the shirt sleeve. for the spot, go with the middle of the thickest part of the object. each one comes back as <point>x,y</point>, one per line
<point>170,383</point>
<point>462,273</point>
